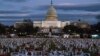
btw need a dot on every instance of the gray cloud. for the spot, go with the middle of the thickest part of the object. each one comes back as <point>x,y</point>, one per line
<point>63,17</point>
<point>15,0</point>
<point>12,12</point>
<point>86,7</point>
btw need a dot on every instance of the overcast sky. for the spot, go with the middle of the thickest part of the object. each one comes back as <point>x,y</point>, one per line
<point>15,10</point>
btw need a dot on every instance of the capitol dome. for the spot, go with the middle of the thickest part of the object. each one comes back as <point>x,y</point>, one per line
<point>51,14</point>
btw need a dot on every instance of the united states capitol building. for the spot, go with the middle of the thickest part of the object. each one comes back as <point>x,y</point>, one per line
<point>51,21</point>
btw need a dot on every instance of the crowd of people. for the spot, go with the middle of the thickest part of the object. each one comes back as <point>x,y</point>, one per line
<point>9,45</point>
<point>49,47</point>
<point>80,46</point>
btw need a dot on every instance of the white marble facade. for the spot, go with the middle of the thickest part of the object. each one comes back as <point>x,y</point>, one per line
<point>48,24</point>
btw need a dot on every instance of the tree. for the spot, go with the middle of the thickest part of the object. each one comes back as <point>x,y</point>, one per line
<point>71,29</point>
<point>36,29</point>
<point>25,28</point>
<point>11,29</point>
<point>96,28</point>
<point>2,29</point>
